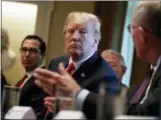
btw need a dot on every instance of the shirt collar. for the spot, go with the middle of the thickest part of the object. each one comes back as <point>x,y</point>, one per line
<point>30,73</point>
<point>157,65</point>
<point>78,63</point>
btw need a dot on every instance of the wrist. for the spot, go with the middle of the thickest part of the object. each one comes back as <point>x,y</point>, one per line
<point>77,92</point>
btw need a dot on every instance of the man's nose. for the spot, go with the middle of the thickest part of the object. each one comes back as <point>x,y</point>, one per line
<point>76,35</point>
<point>27,53</point>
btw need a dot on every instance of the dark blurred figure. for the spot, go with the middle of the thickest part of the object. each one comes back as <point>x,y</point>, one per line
<point>32,52</point>
<point>3,82</point>
<point>8,60</point>
<point>146,33</point>
<point>8,57</point>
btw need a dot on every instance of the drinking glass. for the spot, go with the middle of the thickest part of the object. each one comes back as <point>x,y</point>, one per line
<point>10,98</point>
<point>64,99</point>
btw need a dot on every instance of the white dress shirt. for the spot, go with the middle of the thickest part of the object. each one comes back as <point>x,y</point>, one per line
<point>154,72</point>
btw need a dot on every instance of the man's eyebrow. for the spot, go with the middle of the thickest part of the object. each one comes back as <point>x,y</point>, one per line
<point>83,29</point>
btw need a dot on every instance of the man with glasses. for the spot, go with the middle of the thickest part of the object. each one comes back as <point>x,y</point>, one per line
<point>146,33</point>
<point>32,52</point>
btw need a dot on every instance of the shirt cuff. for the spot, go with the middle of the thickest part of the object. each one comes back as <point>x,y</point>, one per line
<point>81,96</point>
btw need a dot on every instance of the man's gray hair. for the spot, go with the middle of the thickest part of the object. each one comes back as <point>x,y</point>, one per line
<point>148,14</point>
<point>81,17</point>
<point>118,55</point>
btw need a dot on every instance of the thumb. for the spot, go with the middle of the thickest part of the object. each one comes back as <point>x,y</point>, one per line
<point>62,69</point>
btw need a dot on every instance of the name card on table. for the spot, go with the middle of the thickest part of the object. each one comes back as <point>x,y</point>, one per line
<point>69,114</point>
<point>22,113</point>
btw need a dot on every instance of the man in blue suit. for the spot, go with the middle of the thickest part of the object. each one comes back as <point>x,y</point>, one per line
<point>89,69</point>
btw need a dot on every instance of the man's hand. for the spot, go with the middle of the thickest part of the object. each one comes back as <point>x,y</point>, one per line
<point>50,103</point>
<point>48,80</point>
<point>67,80</point>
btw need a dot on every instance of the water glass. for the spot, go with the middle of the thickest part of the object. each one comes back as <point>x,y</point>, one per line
<point>10,98</point>
<point>64,99</point>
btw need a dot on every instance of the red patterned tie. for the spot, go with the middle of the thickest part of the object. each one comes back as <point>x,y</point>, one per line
<point>71,68</point>
<point>20,83</point>
<point>142,89</point>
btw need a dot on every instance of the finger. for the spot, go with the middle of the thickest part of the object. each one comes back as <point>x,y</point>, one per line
<point>48,103</point>
<point>47,77</point>
<point>46,73</point>
<point>50,90</point>
<point>62,69</point>
<point>43,74</point>
<point>50,99</point>
<point>50,106</point>
<point>44,80</point>
<point>38,83</point>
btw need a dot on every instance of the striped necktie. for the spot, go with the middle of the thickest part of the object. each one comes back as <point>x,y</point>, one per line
<point>20,83</point>
<point>139,93</point>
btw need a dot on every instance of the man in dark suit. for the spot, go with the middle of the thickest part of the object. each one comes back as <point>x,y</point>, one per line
<point>32,53</point>
<point>82,36</point>
<point>146,33</point>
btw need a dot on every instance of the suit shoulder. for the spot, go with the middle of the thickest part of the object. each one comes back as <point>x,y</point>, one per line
<point>55,62</point>
<point>104,66</point>
<point>61,58</point>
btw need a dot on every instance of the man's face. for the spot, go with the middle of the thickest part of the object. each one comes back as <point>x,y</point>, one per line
<point>115,63</point>
<point>139,40</point>
<point>79,39</point>
<point>30,54</point>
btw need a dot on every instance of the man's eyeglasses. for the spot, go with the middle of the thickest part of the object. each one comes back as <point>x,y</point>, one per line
<point>31,50</point>
<point>131,28</point>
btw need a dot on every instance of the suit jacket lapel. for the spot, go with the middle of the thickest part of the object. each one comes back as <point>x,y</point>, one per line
<point>156,77</point>
<point>27,86</point>
<point>65,62</point>
<point>84,70</point>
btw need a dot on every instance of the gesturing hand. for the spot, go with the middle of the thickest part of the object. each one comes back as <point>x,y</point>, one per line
<point>48,80</point>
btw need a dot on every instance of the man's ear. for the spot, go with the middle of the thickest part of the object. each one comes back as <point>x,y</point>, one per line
<point>144,35</point>
<point>43,55</point>
<point>95,42</point>
<point>123,69</point>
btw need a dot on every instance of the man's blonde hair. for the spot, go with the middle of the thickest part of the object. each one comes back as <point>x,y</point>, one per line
<point>148,14</point>
<point>82,17</point>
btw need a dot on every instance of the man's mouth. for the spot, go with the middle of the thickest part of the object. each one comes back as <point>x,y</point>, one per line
<point>74,46</point>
